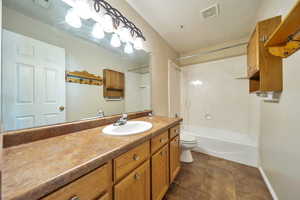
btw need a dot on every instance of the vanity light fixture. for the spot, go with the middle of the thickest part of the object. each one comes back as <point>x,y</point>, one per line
<point>83,9</point>
<point>115,41</point>
<point>98,31</point>
<point>73,19</point>
<point>128,48</point>
<point>108,19</point>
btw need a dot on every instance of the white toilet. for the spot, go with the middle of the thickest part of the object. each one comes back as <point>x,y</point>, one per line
<point>187,143</point>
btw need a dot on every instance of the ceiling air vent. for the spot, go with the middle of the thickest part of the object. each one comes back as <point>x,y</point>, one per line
<point>212,11</point>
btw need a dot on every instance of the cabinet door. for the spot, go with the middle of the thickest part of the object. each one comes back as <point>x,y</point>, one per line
<point>174,158</point>
<point>253,54</point>
<point>160,173</point>
<point>136,186</point>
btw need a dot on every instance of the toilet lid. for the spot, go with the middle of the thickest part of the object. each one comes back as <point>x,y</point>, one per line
<point>187,138</point>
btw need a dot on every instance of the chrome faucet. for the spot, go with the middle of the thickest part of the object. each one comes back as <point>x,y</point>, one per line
<point>100,113</point>
<point>122,120</point>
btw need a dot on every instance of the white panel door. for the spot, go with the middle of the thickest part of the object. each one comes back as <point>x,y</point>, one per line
<point>174,88</point>
<point>33,82</point>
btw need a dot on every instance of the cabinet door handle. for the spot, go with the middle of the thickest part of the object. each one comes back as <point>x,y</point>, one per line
<point>136,157</point>
<point>75,198</point>
<point>137,176</point>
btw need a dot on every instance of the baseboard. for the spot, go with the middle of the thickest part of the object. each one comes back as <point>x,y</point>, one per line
<point>271,190</point>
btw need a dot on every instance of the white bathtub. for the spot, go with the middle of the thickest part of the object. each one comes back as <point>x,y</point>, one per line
<point>225,144</point>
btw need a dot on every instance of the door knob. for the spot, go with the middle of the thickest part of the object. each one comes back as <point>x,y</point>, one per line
<point>61,108</point>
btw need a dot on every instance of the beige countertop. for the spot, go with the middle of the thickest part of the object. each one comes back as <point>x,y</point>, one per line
<point>35,169</point>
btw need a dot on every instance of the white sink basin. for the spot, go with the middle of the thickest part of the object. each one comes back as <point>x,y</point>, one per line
<point>130,128</point>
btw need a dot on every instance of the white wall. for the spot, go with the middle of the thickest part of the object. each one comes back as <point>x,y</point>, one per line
<point>220,96</point>
<point>137,92</point>
<point>280,122</point>
<point>82,101</point>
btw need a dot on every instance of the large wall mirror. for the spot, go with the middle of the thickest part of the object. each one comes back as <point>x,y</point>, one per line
<point>55,73</point>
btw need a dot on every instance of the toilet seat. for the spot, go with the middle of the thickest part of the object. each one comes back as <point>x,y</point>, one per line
<point>187,139</point>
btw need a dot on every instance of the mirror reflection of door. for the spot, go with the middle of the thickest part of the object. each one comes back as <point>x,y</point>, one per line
<point>174,85</point>
<point>33,82</point>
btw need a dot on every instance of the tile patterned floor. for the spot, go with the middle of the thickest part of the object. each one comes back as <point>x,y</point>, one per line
<point>211,178</point>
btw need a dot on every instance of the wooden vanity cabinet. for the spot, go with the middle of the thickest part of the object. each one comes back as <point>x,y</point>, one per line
<point>142,173</point>
<point>135,186</point>
<point>174,157</point>
<point>160,173</point>
<point>264,70</point>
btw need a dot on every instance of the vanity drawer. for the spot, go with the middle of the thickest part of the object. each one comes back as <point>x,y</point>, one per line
<point>107,196</point>
<point>159,141</point>
<point>89,187</point>
<point>125,163</point>
<point>174,131</point>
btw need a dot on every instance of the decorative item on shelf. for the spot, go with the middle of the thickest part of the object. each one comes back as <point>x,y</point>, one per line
<point>83,77</point>
<point>285,40</point>
<point>107,20</point>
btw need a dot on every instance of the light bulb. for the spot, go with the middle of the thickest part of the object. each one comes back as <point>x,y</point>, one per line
<point>108,23</point>
<point>128,48</point>
<point>73,19</point>
<point>83,9</point>
<point>98,16</point>
<point>115,41</point>
<point>124,33</point>
<point>98,31</point>
<point>138,43</point>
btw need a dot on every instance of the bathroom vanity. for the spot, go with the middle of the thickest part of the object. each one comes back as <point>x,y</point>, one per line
<point>89,165</point>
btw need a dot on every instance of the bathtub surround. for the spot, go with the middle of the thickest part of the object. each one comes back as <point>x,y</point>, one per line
<point>219,111</point>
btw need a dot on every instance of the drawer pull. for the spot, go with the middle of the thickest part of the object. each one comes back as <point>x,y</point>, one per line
<point>136,157</point>
<point>137,176</point>
<point>162,140</point>
<point>75,198</point>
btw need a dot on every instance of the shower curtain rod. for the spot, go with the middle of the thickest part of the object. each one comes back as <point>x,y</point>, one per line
<point>212,51</point>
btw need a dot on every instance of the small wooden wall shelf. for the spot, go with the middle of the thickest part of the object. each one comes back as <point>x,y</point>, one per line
<point>285,40</point>
<point>83,77</point>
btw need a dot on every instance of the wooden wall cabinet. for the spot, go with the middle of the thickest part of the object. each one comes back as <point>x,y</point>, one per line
<point>113,84</point>
<point>264,70</point>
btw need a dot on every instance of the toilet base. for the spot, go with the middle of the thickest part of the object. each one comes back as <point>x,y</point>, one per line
<point>186,156</point>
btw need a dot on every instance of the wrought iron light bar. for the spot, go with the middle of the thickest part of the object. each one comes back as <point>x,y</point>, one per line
<point>118,17</point>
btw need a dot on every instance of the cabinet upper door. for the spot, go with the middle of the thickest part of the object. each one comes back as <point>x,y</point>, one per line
<point>136,186</point>
<point>160,173</point>
<point>174,158</point>
<point>113,79</point>
<point>253,54</point>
